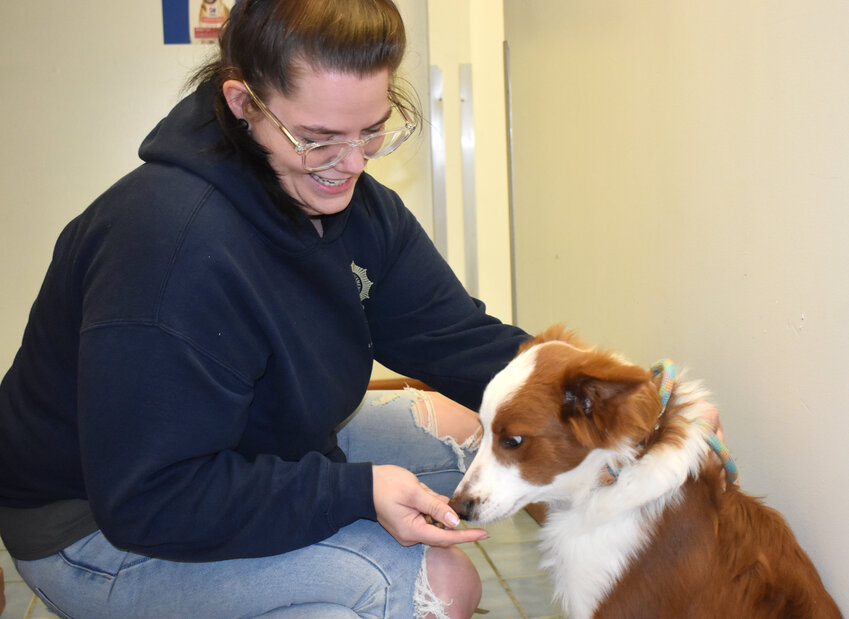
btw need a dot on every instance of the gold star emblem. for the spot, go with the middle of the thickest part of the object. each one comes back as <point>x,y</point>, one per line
<point>364,284</point>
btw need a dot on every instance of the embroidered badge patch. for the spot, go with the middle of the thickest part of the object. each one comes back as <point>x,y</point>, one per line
<point>364,284</point>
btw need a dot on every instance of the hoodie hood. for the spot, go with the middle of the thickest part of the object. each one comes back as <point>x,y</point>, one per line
<point>189,138</point>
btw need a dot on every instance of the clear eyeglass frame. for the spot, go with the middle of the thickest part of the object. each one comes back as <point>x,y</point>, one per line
<point>323,155</point>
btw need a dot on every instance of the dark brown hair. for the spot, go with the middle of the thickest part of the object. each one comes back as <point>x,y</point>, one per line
<point>268,43</point>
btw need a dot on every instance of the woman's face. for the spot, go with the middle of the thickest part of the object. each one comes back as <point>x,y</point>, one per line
<point>326,105</point>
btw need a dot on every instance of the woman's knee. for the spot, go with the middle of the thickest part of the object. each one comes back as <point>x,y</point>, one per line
<point>445,418</point>
<point>454,581</point>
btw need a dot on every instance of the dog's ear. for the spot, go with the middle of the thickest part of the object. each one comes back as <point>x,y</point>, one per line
<point>585,395</point>
<point>575,401</point>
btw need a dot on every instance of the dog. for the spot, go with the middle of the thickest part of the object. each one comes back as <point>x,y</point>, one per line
<point>640,518</point>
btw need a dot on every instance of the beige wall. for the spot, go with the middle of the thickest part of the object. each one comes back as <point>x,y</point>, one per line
<point>472,32</point>
<point>448,35</point>
<point>486,44</point>
<point>682,190</point>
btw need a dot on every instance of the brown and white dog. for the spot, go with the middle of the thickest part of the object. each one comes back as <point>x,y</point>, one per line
<point>669,538</point>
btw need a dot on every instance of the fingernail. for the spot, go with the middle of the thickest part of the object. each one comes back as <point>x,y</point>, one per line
<point>452,519</point>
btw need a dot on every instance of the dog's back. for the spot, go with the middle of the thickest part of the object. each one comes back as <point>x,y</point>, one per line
<point>720,553</point>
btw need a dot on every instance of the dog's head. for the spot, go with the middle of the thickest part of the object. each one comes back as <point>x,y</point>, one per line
<point>552,419</point>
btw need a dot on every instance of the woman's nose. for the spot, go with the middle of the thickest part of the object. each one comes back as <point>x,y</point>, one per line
<point>353,163</point>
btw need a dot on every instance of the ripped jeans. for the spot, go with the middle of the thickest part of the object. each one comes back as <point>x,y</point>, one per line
<point>361,571</point>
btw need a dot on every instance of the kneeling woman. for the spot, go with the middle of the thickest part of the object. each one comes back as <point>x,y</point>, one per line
<point>176,431</point>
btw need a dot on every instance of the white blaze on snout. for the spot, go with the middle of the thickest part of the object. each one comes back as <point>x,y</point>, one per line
<point>495,489</point>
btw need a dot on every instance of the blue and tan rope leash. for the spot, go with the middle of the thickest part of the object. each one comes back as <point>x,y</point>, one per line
<point>721,450</point>
<point>666,370</point>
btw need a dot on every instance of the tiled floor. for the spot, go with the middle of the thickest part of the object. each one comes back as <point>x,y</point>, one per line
<point>513,585</point>
<point>20,601</point>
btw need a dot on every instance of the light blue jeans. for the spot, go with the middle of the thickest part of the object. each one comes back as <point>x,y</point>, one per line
<point>361,571</point>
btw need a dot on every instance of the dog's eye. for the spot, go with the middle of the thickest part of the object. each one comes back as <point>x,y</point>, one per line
<point>511,442</point>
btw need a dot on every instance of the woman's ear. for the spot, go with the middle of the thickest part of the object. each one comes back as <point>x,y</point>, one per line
<point>237,97</point>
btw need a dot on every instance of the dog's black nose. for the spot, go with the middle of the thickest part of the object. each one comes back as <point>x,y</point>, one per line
<point>463,506</point>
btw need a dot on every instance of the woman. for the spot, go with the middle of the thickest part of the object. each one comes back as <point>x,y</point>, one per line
<point>175,431</point>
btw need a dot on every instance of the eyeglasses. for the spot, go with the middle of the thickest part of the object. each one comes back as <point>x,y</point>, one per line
<point>322,155</point>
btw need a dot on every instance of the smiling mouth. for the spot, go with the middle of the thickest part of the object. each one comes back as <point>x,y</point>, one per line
<point>329,182</point>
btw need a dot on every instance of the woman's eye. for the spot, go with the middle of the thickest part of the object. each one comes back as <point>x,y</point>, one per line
<point>372,131</point>
<point>319,138</point>
<point>511,442</point>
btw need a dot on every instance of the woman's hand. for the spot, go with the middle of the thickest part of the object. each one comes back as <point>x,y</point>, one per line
<point>401,502</point>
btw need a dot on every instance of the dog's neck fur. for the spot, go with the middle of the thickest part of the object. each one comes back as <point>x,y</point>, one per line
<point>602,528</point>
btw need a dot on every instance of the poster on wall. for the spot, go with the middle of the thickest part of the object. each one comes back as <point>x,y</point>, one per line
<point>194,21</point>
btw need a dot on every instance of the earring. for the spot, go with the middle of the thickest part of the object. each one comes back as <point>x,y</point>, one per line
<point>243,125</point>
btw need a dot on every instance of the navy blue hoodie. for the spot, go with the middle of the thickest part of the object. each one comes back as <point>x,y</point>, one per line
<point>192,350</point>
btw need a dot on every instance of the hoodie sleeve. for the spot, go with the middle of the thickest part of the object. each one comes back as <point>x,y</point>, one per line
<point>424,323</point>
<point>157,421</point>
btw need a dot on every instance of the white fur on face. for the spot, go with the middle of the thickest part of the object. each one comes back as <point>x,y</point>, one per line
<point>495,490</point>
<point>506,383</point>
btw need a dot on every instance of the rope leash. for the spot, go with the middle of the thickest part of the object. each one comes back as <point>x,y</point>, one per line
<point>666,370</point>
<point>721,450</point>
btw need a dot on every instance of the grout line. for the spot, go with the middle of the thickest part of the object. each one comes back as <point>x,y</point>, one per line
<point>501,581</point>
<point>31,607</point>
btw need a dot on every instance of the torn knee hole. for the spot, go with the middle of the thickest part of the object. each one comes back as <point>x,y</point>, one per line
<point>457,429</point>
<point>424,413</point>
<point>427,604</point>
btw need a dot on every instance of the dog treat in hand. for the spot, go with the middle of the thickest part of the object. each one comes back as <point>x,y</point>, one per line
<point>429,519</point>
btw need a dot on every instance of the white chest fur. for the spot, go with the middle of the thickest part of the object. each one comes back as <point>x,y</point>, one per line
<point>586,560</point>
<point>588,545</point>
